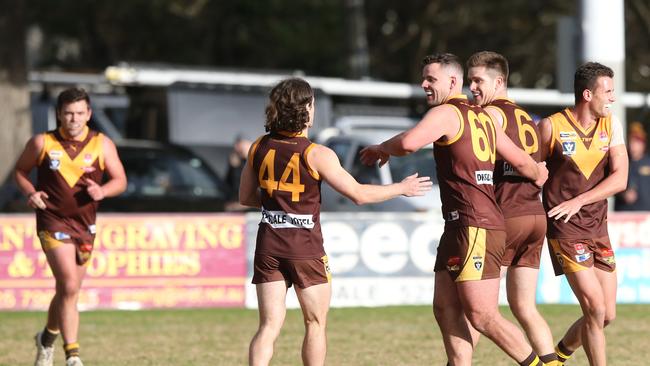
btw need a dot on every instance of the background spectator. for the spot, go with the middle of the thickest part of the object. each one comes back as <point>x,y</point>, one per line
<point>637,195</point>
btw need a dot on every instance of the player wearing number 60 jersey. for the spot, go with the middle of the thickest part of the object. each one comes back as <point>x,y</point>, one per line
<point>283,177</point>
<point>518,197</point>
<point>469,255</point>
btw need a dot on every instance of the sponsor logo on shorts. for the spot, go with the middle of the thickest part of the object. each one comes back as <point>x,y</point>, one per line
<point>569,148</point>
<point>59,235</point>
<point>453,264</point>
<point>478,262</point>
<point>283,220</point>
<point>483,177</point>
<point>92,229</point>
<point>580,248</point>
<point>608,256</point>
<point>582,257</point>
<point>568,135</point>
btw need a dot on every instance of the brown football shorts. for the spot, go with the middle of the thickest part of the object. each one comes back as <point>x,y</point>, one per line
<point>573,255</point>
<point>469,253</point>
<point>524,240</point>
<point>303,272</point>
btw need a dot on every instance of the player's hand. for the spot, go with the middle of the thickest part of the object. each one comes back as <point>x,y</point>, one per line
<point>566,208</point>
<point>37,200</point>
<point>371,154</point>
<point>542,174</point>
<point>416,186</point>
<point>94,190</point>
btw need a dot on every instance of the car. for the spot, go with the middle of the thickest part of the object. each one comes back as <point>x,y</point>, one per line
<point>161,178</point>
<point>353,133</point>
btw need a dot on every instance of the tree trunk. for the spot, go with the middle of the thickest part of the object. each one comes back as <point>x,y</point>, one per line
<point>15,116</point>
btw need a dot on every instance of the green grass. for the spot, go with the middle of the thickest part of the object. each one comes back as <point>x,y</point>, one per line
<point>357,336</point>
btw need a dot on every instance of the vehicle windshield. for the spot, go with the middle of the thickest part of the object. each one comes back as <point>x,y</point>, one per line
<point>163,173</point>
<point>420,161</point>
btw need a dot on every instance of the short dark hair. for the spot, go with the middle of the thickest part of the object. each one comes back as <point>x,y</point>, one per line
<point>71,95</point>
<point>445,59</point>
<point>586,76</point>
<point>287,108</point>
<point>490,60</point>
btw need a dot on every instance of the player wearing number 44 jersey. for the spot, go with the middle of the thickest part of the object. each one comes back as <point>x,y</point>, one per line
<point>283,176</point>
<point>583,146</point>
<point>518,197</point>
<point>469,254</point>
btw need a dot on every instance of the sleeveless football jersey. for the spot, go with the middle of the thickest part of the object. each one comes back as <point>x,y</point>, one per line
<point>578,160</point>
<point>290,194</point>
<point>63,167</point>
<point>517,195</point>
<point>465,165</point>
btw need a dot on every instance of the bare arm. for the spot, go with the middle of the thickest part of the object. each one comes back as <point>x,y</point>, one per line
<point>324,161</point>
<point>545,135</point>
<point>27,161</point>
<point>614,183</point>
<point>249,193</point>
<point>116,183</point>
<point>439,121</point>
<point>521,161</point>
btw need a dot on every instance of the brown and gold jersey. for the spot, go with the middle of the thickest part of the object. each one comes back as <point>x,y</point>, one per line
<point>291,194</point>
<point>578,160</point>
<point>63,167</point>
<point>465,165</point>
<point>517,195</point>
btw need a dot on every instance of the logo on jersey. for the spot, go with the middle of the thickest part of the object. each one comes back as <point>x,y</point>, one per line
<point>55,154</point>
<point>453,216</point>
<point>283,220</point>
<point>569,148</point>
<point>55,164</point>
<point>509,170</point>
<point>478,262</point>
<point>483,177</point>
<point>580,248</point>
<point>603,136</point>
<point>568,135</point>
<point>88,159</point>
<point>453,264</point>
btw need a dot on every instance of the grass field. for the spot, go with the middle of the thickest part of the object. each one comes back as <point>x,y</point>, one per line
<point>357,336</point>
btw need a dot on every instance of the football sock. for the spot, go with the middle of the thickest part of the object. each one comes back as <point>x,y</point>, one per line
<point>549,359</point>
<point>71,349</point>
<point>562,353</point>
<point>48,337</point>
<point>531,360</point>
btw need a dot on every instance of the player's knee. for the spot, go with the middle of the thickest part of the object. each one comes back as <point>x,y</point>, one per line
<point>596,312</point>
<point>67,289</point>
<point>609,318</point>
<point>480,320</point>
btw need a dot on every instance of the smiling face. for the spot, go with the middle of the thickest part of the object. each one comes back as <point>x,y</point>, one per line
<point>74,117</point>
<point>485,84</point>
<point>601,97</point>
<point>438,83</point>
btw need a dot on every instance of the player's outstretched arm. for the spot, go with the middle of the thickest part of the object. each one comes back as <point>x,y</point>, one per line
<point>324,161</point>
<point>27,161</point>
<point>439,121</point>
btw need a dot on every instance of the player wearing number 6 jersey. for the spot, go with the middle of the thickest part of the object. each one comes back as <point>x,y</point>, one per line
<point>283,176</point>
<point>470,250</point>
<point>518,197</point>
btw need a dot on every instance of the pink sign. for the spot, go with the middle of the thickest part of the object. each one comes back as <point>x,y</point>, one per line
<point>139,261</point>
<point>629,229</point>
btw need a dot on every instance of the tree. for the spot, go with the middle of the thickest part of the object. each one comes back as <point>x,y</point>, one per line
<point>15,116</point>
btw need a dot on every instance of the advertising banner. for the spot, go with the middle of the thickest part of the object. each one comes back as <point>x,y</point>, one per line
<point>139,261</point>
